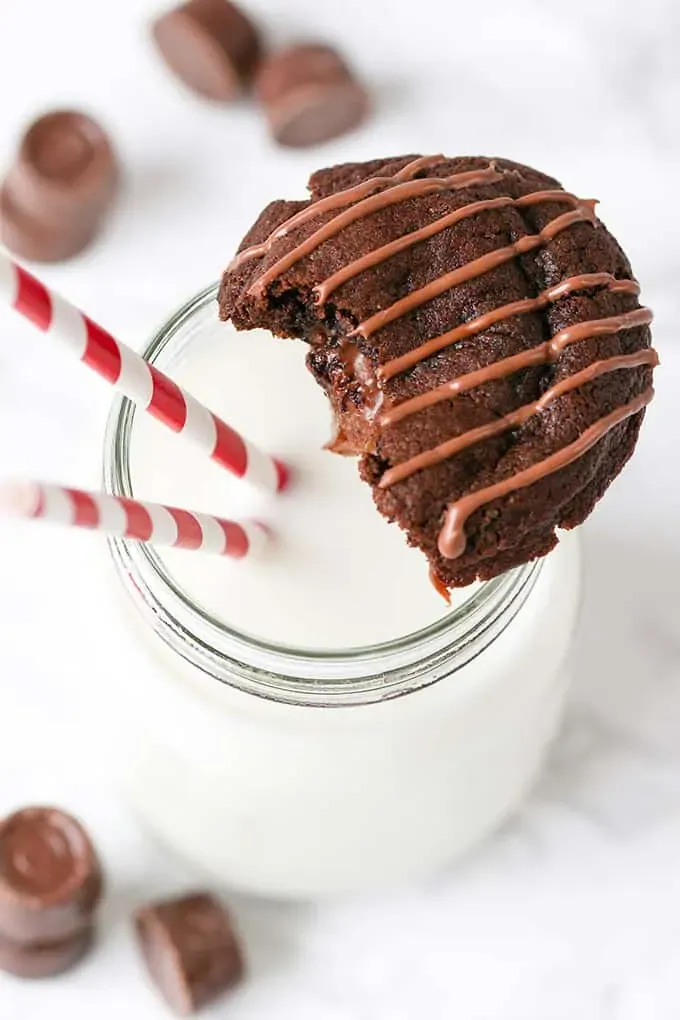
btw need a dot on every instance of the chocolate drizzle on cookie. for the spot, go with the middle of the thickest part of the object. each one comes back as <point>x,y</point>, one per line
<point>452,536</point>
<point>375,193</point>
<point>338,200</point>
<point>399,192</point>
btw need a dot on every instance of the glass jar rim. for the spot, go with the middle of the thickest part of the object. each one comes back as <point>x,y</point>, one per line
<point>294,675</point>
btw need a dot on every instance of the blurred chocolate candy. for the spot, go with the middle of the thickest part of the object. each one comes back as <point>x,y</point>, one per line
<point>309,95</point>
<point>44,960</point>
<point>190,949</point>
<point>210,45</point>
<point>50,877</point>
<point>59,189</point>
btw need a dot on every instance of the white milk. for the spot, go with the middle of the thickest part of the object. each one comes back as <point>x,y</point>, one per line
<point>338,575</point>
<point>291,799</point>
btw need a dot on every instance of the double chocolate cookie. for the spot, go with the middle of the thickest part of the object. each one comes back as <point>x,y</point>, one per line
<point>479,334</point>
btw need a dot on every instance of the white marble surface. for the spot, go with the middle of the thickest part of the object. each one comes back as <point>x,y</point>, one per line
<point>573,911</point>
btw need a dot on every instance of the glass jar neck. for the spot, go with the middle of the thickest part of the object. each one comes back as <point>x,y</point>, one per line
<point>357,676</point>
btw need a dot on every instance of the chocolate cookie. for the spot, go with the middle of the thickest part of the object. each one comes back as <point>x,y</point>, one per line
<point>479,334</point>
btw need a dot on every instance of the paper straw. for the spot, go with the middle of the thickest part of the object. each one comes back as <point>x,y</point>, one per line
<point>132,519</point>
<point>141,382</point>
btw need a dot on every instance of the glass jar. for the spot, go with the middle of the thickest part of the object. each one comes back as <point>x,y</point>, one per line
<point>305,774</point>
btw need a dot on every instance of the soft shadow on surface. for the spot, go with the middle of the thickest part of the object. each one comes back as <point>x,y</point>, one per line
<point>614,769</point>
<point>625,659</point>
<point>273,932</point>
<point>617,759</point>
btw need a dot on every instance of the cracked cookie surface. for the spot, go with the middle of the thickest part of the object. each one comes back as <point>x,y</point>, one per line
<point>480,337</point>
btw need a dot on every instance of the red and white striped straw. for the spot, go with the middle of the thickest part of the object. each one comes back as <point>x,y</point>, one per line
<point>131,519</point>
<point>137,379</point>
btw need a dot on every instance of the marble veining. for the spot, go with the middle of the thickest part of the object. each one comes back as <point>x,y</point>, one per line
<point>572,912</point>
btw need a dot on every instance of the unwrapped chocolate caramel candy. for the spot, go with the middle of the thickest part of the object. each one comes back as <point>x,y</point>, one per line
<point>210,45</point>
<point>50,886</point>
<point>309,95</point>
<point>59,189</point>
<point>190,949</point>
<point>50,877</point>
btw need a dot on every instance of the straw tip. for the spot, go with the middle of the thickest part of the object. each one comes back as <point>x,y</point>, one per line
<point>260,536</point>
<point>19,499</point>
<point>284,476</point>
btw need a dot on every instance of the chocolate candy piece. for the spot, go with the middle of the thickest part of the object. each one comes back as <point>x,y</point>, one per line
<point>59,189</point>
<point>44,960</point>
<point>50,878</point>
<point>309,95</point>
<point>210,45</point>
<point>190,949</point>
<point>32,240</point>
